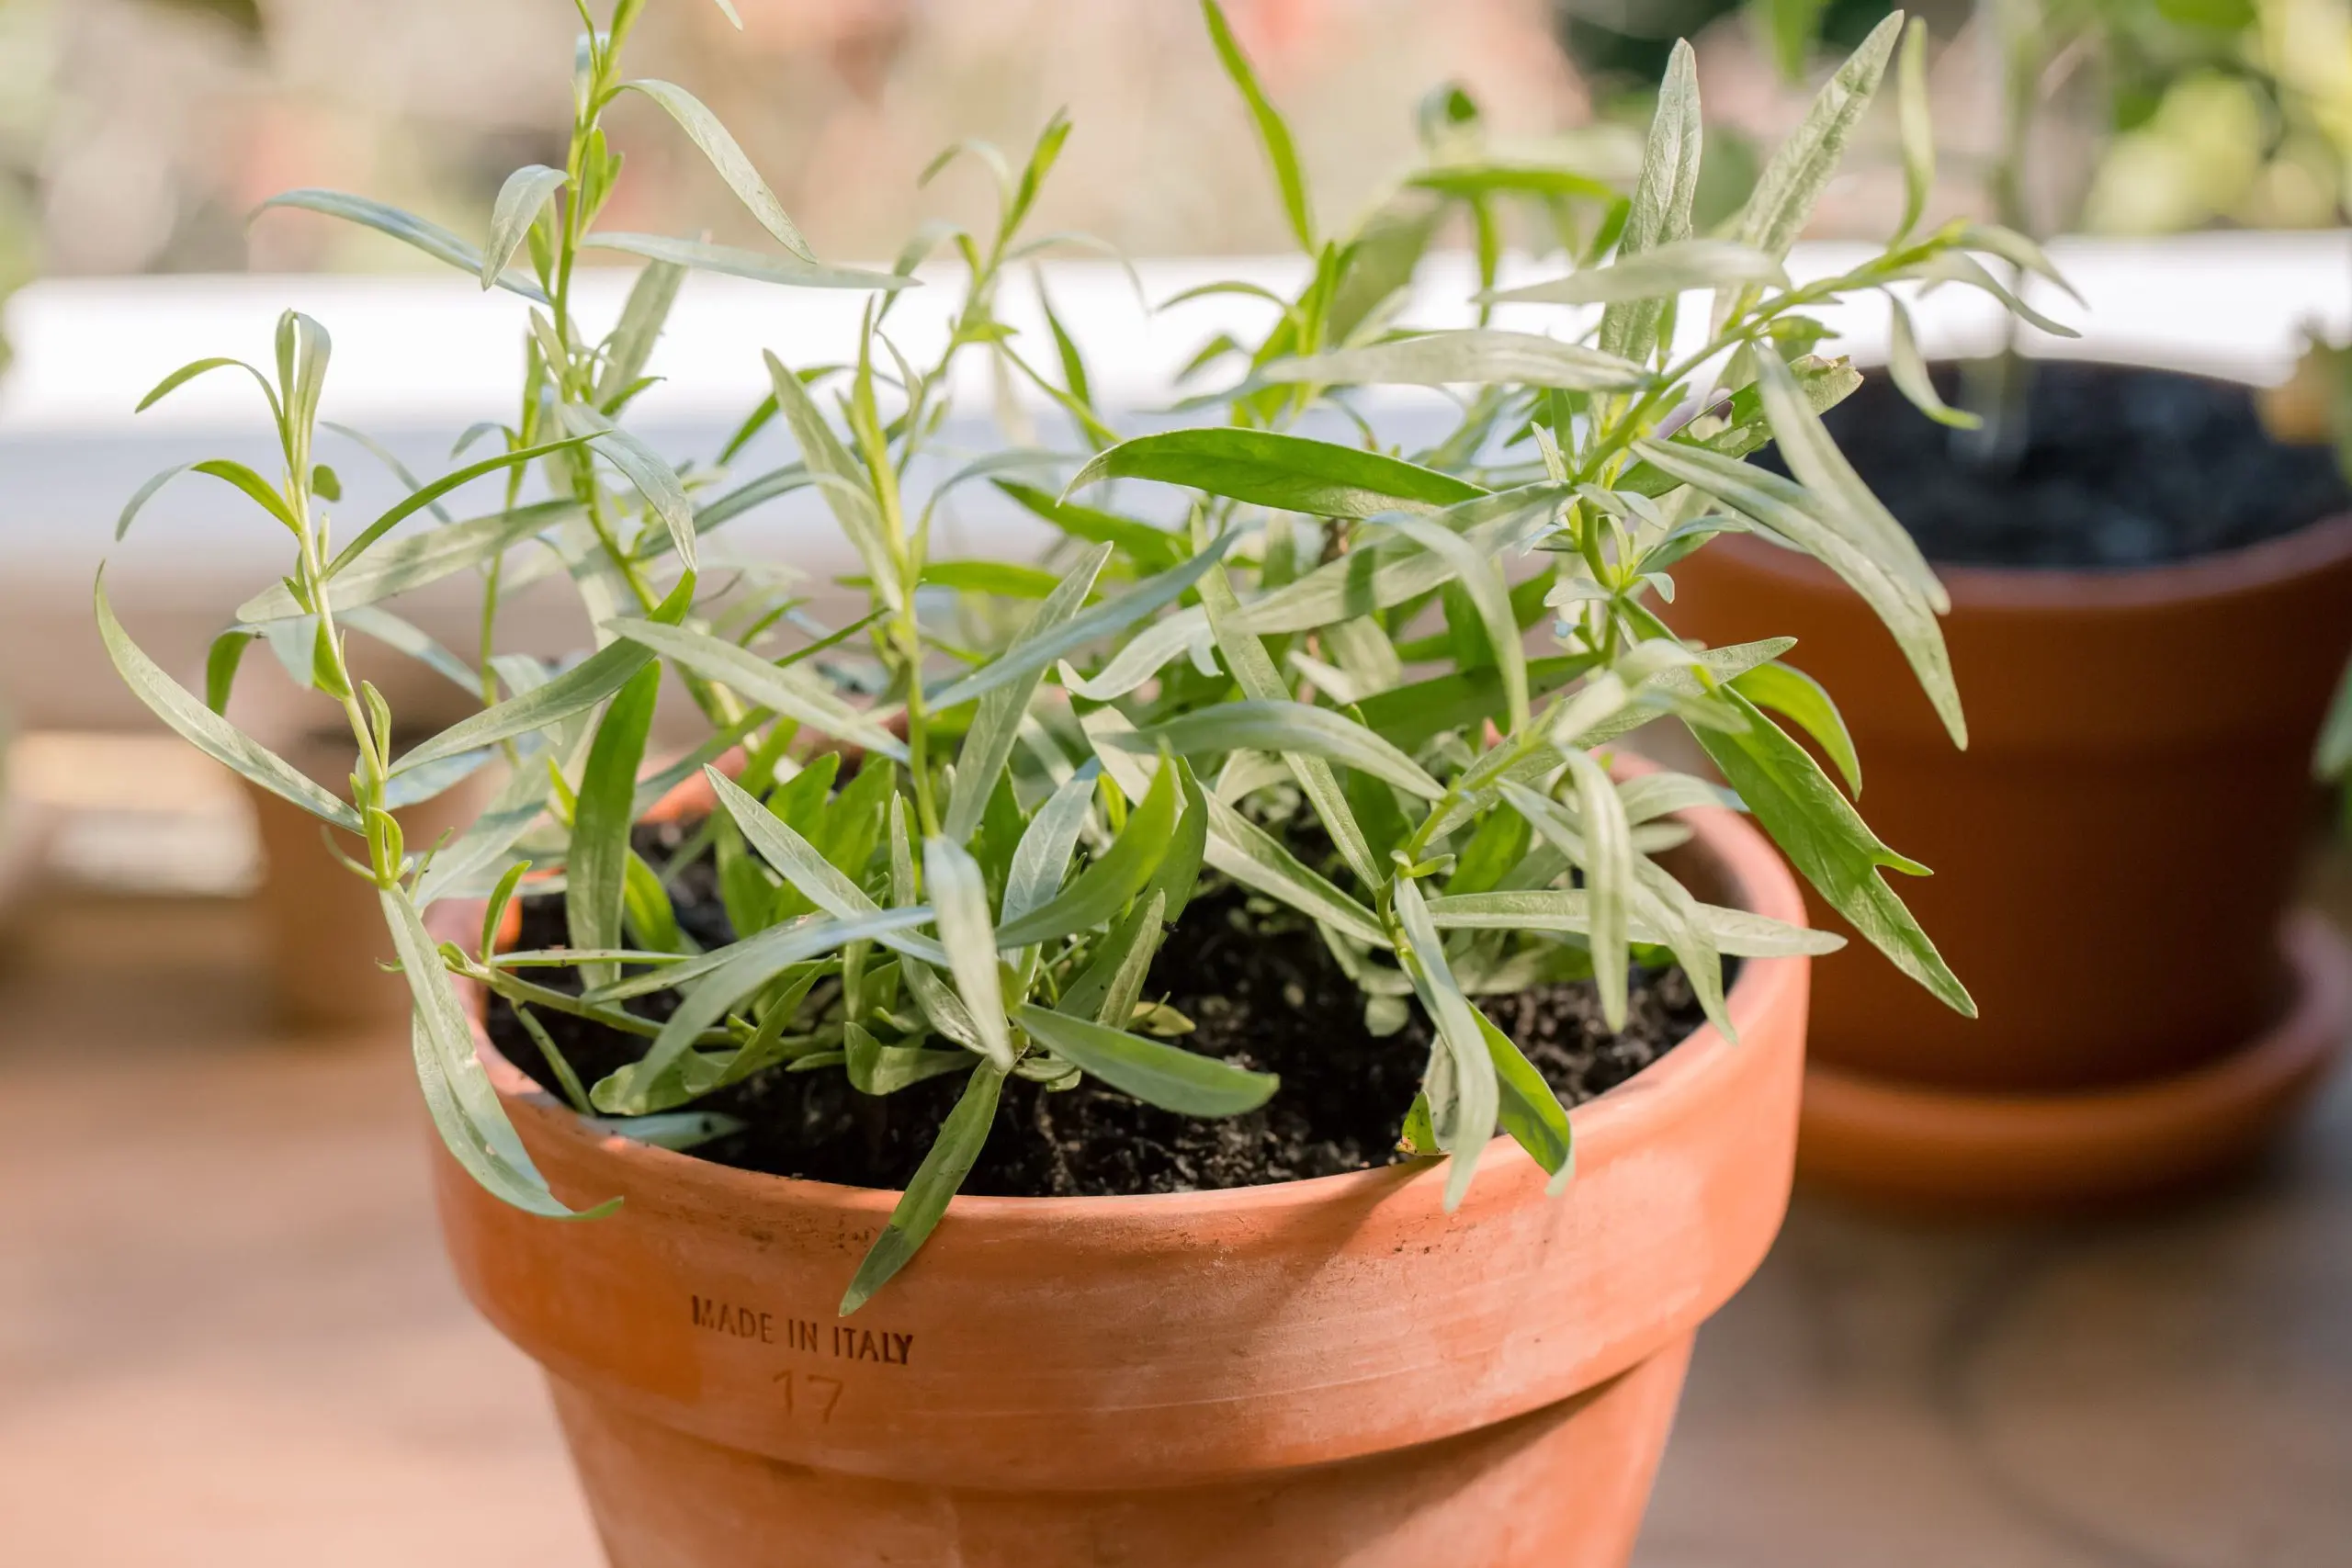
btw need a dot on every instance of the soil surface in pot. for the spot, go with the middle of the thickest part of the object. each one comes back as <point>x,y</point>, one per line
<point>1260,987</point>
<point>2120,467</point>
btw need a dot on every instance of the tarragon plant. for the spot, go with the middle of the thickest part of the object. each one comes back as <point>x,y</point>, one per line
<point>949,854</point>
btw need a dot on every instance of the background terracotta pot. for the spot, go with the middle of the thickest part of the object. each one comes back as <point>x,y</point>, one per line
<point>1317,1372</point>
<point>327,946</point>
<point>2114,855</point>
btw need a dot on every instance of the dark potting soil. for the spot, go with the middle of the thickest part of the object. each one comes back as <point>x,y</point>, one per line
<point>1263,990</point>
<point>2119,467</point>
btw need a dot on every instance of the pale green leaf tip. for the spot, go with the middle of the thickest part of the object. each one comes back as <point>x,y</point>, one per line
<point>1461,1165</point>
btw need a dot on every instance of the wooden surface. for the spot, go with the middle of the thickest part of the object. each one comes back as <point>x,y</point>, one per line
<point>227,1336</point>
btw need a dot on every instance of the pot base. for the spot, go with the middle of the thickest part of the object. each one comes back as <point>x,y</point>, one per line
<point>1936,1151</point>
<point>1561,1487</point>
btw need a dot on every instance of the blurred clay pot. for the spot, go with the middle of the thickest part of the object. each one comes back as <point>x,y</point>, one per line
<point>1321,1372</point>
<point>2114,855</point>
<point>324,926</point>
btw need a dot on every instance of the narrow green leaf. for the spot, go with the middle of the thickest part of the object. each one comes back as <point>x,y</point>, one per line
<point>876,1068</point>
<point>1919,132</point>
<point>1608,867</point>
<point>1736,931</point>
<point>494,912</point>
<point>1289,473</point>
<point>518,804</point>
<point>942,1170</point>
<point>645,470</point>
<point>1283,726</point>
<point>1495,177</point>
<point>1143,656</point>
<point>1110,616</point>
<point>595,870</point>
<point>1669,906</point>
<point>405,637</point>
<point>803,866</point>
<point>630,347</point>
<point>417,501</point>
<point>2019,251</point>
<point>1784,689</point>
<point>961,898</point>
<point>1097,895</point>
<point>2332,758</point>
<point>993,579</point>
<point>1660,213</point>
<point>575,691</point>
<point>784,691</point>
<point>146,492</point>
<point>751,493</point>
<point>1042,858</point>
<point>304,351</point>
<point>1108,990</point>
<point>1650,796</point>
<point>1154,550</point>
<point>1531,1111</point>
<point>1464,1097</point>
<point>1167,1075</point>
<point>1827,843</point>
<point>675,1130</point>
<point>196,367</point>
<point>988,746</point>
<point>1075,379</point>
<point>262,493</point>
<point>792,272</point>
<point>1483,355</point>
<point>520,201</point>
<point>1409,717</point>
<point>1807,522</point>
<point>1249,855</point>
<point>1253,669</point>
<point>1179,869</point>
<point>207,731</point>
<point>1272,134</point>
<point>1958,266</point>
<point>727,156</point>
<point>725,978</point>
<point>1792,181</point>
<point>848,493</point>
<point>457,1093</point>
<point>1480,575</point>
<point>1653,276</point>
<point>1394,570</point>
<point>220,662</point>
<point>407,228</point>
<point>1908,368</point>
<point>409,563</point>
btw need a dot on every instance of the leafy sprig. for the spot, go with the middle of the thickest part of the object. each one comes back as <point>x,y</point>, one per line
<point>1316,688</point>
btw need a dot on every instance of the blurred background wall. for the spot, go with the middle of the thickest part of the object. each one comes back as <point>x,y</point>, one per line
<point>137,134</point>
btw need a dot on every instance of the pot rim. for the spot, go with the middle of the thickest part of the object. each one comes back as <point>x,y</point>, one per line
<point>1753,876</point>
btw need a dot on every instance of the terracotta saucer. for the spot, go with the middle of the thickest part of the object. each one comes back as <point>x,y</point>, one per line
<point>1939,1151</point>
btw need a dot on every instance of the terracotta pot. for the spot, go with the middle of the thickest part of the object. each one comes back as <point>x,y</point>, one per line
<point>2114,853</point>
<point>1319,1372</point>
<point>324,929</point>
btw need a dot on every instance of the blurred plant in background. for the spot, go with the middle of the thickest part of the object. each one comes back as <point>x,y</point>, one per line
<point>137,135</point>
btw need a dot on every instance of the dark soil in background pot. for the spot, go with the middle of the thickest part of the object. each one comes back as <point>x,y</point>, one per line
<point>2120,467</point>
<point>1263,989</point>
